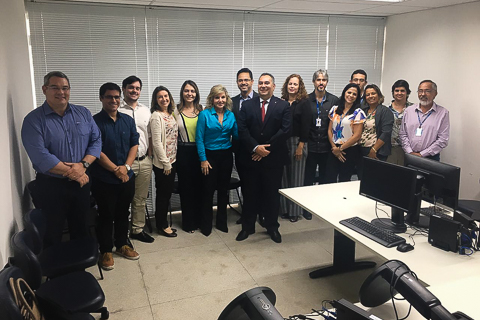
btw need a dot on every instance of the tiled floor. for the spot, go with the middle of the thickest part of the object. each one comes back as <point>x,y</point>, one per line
<point>195,277</point>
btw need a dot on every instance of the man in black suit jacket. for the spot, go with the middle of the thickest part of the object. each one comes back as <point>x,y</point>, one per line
<point>263,125</point>
<point>245,85</point>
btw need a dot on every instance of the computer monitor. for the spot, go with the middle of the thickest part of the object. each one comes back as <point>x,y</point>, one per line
<point>392,185</point>
<point>442,181</point>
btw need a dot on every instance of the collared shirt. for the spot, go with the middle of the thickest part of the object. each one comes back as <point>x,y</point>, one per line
<point>435,130</point>
<point>141,114</point>
<point>397,121</point>
<point>211,134</point>
<point>266,104</point>
<point>50,138</point>
<point>250,96</point>
<point>318,136</point>
<point>118,137</point>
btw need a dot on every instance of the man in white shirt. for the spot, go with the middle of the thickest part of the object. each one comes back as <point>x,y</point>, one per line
<point>142,166</point>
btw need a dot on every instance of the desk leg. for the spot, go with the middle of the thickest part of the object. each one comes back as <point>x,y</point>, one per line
<point>343,258</point>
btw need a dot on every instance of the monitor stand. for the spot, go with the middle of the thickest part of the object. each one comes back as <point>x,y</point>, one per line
<point>396,224</point>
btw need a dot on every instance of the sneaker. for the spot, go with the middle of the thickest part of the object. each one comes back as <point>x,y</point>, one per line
<point>106,261</point>
<point>127,252</point>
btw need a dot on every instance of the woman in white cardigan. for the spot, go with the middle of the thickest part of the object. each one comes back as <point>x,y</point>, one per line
<point>164,133</point>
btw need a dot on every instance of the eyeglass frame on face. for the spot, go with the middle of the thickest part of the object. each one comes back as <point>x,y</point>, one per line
<point>109,97</point>
<point>57,89</point>
<point>243,80</point>
<point>355,80</point>
<point>426,91</point>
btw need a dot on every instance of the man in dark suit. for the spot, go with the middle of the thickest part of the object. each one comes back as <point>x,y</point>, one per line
<point>263,125</point>
<point>245,85</point>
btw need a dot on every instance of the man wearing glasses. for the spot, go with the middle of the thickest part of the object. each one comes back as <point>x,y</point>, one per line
<point>425,128</point>
<point>62,141</point>
<point>113,181</point>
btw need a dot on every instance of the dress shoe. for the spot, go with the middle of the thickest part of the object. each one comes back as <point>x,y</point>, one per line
<point>222,228</point>
<point>307,215</point>
<point>242,235</point>
<point>206,233</point>
<point>275,236</point>
<point>294,219</point>
<point>142,236</point>
<point>172,234</point>
<point>285,216</point>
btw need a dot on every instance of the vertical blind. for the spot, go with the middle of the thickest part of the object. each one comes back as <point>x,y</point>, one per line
<point>94,44</point>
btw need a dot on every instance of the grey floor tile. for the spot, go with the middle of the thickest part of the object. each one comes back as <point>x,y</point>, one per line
<point>192,271</point>
<point>262,257</point>
<point>204,307</point>
<point>144,313</point>
<point>126,277</point>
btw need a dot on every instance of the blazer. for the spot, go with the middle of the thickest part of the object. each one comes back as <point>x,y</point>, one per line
<point>383,128</point>
<point>236,103</point>
<point>275,131</point>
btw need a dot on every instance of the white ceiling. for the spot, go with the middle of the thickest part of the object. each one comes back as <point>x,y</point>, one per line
<point>349,7</point>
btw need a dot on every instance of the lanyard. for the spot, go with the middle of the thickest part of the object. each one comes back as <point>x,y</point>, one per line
<point>421,122</point>
<point>321,106</point>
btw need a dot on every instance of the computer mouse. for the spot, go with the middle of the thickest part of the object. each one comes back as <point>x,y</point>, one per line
<point>405,247</point>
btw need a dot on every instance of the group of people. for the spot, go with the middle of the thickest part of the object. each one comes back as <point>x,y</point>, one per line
<point>277,142</point>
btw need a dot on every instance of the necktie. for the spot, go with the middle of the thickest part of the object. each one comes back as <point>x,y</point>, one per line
<point>263,110</point>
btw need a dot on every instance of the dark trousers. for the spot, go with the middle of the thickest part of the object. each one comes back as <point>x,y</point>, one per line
<point>63,200</point>
<point>364,153</point>
<point>343,171</point>
<point>261,196</point>
<point>435,157</point>
<point>315,159</point>
<point>218,179</point>
<point>189,186</point>
<point>113,201</point>
<point>164,186</point>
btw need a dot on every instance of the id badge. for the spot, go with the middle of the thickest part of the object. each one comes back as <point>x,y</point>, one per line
<point>319,122</point>
<point>418,133</point>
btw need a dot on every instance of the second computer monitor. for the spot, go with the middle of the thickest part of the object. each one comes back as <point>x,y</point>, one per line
<point>392,185</point>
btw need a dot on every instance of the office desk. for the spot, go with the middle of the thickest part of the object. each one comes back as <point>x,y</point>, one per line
<point>442,270</point>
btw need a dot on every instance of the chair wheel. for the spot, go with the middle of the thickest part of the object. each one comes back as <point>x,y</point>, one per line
<point>104,315</point>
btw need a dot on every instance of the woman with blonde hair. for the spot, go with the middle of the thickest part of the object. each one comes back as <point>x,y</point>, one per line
<point>188,164</point>
<point>294,92</point>
<point>164,131</point>
<point>216,127</point>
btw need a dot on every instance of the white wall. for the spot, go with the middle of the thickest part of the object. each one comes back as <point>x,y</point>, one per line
<point>16,100</point>
<point>443,45</point>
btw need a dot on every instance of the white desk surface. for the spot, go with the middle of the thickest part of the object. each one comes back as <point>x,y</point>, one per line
<point>453,278</point>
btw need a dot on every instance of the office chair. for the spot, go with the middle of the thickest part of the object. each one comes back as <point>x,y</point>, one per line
<point>64,257</point>
<point>69,294</point>
<point>8,307</point>
<point>235,183</point>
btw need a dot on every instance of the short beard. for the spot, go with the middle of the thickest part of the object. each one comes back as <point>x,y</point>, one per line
<point>425,103</point>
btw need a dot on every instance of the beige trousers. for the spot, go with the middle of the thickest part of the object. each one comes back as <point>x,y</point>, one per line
<point>143,175</point>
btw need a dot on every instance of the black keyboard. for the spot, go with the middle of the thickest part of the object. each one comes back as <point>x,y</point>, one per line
<point>377,234</point>
<point>435,211</point>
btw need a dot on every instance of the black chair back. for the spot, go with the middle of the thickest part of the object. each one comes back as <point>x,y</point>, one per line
<point>8,308</point>
<point>36,226</point>
<point>26,260</point>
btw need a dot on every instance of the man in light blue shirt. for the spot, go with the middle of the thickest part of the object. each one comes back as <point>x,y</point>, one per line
<point>61,140</point>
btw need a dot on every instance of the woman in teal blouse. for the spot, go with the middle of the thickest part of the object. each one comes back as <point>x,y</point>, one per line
<point>216,127</point>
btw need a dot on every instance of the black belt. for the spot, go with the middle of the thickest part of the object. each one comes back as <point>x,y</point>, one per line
<point>189,144</point>
<point>141,158</point>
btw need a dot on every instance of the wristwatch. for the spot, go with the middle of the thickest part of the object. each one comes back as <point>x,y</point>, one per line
<point>85,164</point>
<point>128,167</point>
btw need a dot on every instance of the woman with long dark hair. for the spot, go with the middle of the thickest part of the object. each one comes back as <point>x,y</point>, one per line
<point>215,129</point>
<point>344,132</point>
<point>164,132</point>
<point>188,164</point>
<point>294,92</point>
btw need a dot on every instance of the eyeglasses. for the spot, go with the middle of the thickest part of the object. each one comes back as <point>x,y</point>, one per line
<point>358,80</point>
<point>244,80</point>
<point>427,91</point>
<point>111,97</point>
<point>55,88</point>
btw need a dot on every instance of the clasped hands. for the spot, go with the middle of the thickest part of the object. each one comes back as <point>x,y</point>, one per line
<point>260,152</point>
<point>339,154</point>
<point>121,173</point>
<point>76,173</point>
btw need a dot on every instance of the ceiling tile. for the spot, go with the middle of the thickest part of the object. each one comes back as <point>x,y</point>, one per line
<point>392,9</point>
<point>433,3</point>
<point>317,6</point>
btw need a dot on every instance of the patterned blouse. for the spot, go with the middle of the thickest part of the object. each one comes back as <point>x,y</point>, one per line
<point>171,135</point>
<point>342,126</point>
<point>369,134</point>
<point>397,122</point>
